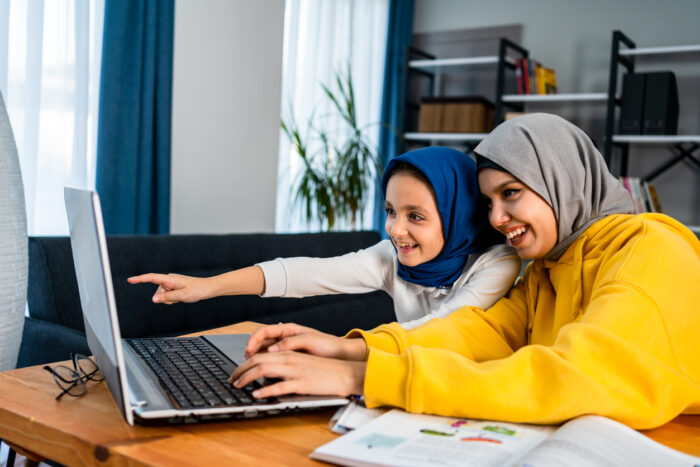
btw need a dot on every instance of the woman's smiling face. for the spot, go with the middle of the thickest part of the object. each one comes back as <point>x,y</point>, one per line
<point>527,220</point>
<point>412,220</point>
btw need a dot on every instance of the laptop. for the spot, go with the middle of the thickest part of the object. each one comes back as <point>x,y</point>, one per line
<point>159,380</point>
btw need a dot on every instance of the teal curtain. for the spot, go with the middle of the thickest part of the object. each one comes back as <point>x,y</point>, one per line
<point>399,37</point>
<point>133,142</point>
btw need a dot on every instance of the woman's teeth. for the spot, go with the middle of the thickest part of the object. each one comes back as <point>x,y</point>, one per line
<point>516,232</point>
<point>405,245</point>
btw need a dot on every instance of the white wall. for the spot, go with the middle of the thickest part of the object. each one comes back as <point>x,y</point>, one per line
<point>226,110</point>
<point>574,38</point>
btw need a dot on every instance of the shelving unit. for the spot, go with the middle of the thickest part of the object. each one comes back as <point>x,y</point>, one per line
<point>684,145</point>
<point>420,64</point>
<point>432,68</point>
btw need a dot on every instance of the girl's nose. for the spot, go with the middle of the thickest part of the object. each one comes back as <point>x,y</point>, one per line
<point>398,227</point>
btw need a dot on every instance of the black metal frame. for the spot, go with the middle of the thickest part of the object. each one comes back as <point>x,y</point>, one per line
<point>615,60</point>
<point>683,153</point>
<point>618,38</point>
<point>409,53</point>
<point>504,45</point>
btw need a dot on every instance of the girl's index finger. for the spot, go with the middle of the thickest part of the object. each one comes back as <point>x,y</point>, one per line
<point>159,279</point>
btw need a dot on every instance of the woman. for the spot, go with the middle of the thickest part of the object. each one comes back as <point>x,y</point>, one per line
<point>604,321</point>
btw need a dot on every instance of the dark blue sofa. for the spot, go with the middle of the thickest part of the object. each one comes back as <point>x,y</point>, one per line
<point>55,325</point>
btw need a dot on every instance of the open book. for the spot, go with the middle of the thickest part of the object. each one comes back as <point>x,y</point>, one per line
<point>402,439</point>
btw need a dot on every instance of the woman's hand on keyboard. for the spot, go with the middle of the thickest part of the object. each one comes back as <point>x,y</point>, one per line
<point>285,337</point>
<point>301,373</point>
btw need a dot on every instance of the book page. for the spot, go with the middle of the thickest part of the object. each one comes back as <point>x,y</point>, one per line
<point>402,439</point>
<point>353,415</point>
<point>599,441</point>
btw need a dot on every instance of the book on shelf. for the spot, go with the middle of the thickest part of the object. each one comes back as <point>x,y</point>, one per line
<point>534,78</point>
<point>519,79</point>
<point>550,81</point>
<point>398,438</point>
<point>653,196</point>
<point>526,76</point>
<point>643,194</point>
<point>541,79</point>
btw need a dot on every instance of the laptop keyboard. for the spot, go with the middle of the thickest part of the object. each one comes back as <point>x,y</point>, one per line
<point>193,373</point>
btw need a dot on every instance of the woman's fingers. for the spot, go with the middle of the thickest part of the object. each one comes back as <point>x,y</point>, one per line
<point>301,374</point>
<point>257,366</point>
<point>274,332</point>
<point>322,345</point>
<point>278,389</point>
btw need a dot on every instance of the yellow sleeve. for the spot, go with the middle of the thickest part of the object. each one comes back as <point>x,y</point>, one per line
<point>632,356</point>
<point>470,331</point>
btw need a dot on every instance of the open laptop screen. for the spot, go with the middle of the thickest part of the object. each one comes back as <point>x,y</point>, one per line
<point>94,277</point>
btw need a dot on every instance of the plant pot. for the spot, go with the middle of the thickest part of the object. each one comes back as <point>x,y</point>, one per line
<point>13,246</point>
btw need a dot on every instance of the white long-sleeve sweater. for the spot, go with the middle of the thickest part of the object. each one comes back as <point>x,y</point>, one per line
<point>486,278</point>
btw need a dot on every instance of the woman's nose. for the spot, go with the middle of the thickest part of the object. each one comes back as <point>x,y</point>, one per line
<point>498,216</point>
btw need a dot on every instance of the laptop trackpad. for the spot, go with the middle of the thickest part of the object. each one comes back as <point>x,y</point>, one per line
<point>231,345</point>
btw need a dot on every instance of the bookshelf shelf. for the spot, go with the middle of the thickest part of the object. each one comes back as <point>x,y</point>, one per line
<point>416,136</point>
<point>660,139</point>
<point>571,97</point>
<point>449,62</point>
<point>661,50</point>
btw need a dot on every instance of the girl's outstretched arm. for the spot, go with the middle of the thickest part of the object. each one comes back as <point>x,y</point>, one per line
<point>175,288</point>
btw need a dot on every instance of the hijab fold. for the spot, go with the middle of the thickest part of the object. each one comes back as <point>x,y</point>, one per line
<point>558,161</point>
<point>463,213</point>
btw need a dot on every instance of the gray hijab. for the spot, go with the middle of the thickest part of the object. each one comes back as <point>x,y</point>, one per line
<point>558,161</point>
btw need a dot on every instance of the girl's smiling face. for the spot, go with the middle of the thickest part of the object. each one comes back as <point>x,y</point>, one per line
<point>412,220</point>
<point>523,216</point>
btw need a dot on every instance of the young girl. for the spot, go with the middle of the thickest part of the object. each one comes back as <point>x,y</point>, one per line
<point>605,320</point>
<point>442,253</point>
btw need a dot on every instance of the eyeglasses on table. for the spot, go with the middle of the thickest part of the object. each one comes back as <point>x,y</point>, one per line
<point>72,380</point>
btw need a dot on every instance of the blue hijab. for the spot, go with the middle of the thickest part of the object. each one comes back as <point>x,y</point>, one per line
<point>463,212</point>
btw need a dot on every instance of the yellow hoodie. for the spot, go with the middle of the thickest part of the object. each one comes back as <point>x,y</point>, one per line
<point>611,328</point>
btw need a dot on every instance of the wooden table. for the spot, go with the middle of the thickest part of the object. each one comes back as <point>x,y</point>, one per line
<point>91,430</point>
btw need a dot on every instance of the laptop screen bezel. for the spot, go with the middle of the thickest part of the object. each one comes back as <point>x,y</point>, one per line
<point>77,201</point>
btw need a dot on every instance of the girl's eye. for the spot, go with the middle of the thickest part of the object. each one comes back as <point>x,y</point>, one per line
<point>416,217</point>
<point>389,211</point>
<point>510,192</point>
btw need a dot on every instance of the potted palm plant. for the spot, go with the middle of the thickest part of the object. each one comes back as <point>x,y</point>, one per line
<point>338,167</point>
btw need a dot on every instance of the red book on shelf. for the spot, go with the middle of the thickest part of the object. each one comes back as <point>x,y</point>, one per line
<point>519,75</point>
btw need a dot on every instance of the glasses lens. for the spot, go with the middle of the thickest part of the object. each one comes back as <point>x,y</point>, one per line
<point>87,367</point>
<point>68,380</point>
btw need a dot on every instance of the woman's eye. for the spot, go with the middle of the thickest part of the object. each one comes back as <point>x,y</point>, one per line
<point>389,211</point>
<point>509,192</point>
<point>416,217</point>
